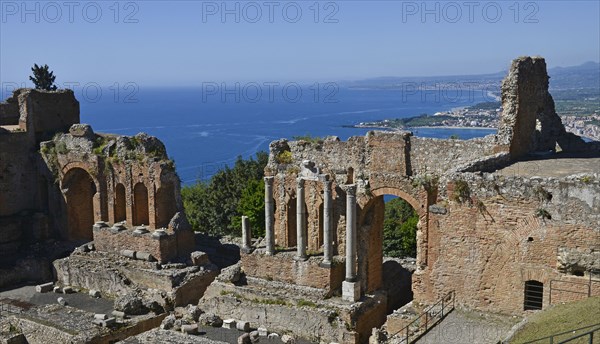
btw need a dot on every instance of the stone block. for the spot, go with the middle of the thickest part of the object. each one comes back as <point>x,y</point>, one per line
<point>287,339</point>
<point>61,301</point>
<point>273,336</point>
<point>140,230</point>
<point>159,233</point>
<point>57,290</point>
<point>189,329</point>
<point>100,316</point>
<point>145,256</point>
<point>210,319</point>
<point>118,314</point>
<point>350,291</point>
<point>262,332</point>
<point>244,339</point>
<point>94,293</point>
<point>68,290</point>
<point>254,337</point>
<point>82,130</point>
<point>105,322</point>
<point>128,253</point>
<point>118,227</point>
<point>243,326</point>
<point>44,288</point>
<point>229,324</point>
<point>199,258</point>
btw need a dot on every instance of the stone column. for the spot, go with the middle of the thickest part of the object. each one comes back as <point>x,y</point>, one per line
<point>327,230</point>
<point>246,235</point>
<point>300,221</point>
<point>350,287</point>
<point>351,233</point>
<point>269,216</point>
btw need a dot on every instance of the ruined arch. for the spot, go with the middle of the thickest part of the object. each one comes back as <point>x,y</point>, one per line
<point>370,243</point>
<point>141,215</point>
<point>120,203</point>
<point>79,189</point>
<point>164,205</point>
<point>418,206</point>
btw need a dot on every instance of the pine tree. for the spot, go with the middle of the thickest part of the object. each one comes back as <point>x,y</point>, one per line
<point>42,78</point>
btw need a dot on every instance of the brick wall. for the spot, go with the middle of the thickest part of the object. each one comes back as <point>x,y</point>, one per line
<point>283,268</point>
<point>163,249</point>
<point>487,250</point>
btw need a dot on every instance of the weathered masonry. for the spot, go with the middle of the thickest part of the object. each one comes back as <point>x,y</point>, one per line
<point>494,238</point>
<point>61,181</point>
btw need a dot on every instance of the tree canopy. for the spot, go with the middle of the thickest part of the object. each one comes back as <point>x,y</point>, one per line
<point>43,78</point>
<point>215,206</point>
<point>399,229</point>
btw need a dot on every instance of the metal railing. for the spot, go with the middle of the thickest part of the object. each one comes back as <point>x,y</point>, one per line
<point>552,339</point>
<point>588,285</point>
<point>7,309</point>
<point>432,315</point>
<point>588,334</point>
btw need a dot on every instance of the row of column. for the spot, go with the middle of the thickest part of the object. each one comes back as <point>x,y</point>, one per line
<point>351,235</point>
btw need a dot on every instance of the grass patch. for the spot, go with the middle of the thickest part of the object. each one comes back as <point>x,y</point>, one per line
<point>562,318</point>
<point>308,138</point>
<point>306,303</point>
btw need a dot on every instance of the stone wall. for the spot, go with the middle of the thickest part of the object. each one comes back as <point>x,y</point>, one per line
<point>283,268</point>
<point>465,234</point>
<point>9,111</point>
<point>529,121</point>
<point>488,247</point>
<point>162,248</point>
<point>112,178</point>
<point>313,320</point>
<point>26,190</point>
<point>48,112</point>
<point>436,156</point>
<point>57,189</point>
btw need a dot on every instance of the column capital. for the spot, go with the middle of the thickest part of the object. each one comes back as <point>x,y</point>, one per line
<point>350,189</point>
<point>269,180</point>
<point>300,182</point>
<point>327,185</point>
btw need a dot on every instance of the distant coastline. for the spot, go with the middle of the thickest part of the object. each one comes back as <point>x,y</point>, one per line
<point>418,127</point>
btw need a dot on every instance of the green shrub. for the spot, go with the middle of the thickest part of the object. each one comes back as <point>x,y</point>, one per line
<point>284,157</point>
<point>462,192</point>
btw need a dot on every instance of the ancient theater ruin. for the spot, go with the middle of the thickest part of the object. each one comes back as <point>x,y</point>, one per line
<point>508,223</point>
<point>493,234</point>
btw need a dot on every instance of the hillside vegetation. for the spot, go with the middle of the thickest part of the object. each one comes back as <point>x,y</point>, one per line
<point>562,318</point>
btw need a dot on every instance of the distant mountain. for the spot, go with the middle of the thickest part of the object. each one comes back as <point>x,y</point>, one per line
<point>586,75</point>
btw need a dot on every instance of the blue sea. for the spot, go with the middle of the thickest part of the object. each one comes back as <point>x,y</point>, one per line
<point>205,133</point>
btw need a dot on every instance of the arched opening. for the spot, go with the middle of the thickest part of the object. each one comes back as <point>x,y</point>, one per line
<point>165,205</point>
<point>387,247</point>
<point>291,222</point>
<point>534,295</point>
<point>140,205</point>
<point>79,189</point>
<point>120,203</point>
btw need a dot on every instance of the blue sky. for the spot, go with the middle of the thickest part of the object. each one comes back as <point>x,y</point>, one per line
<point>181,43</point>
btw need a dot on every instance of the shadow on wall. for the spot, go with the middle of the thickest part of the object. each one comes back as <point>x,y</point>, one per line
<point>397,281</point>
<point>220,253</point>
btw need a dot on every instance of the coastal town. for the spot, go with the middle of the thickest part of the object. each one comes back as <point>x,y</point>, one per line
<point>484,115</point>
